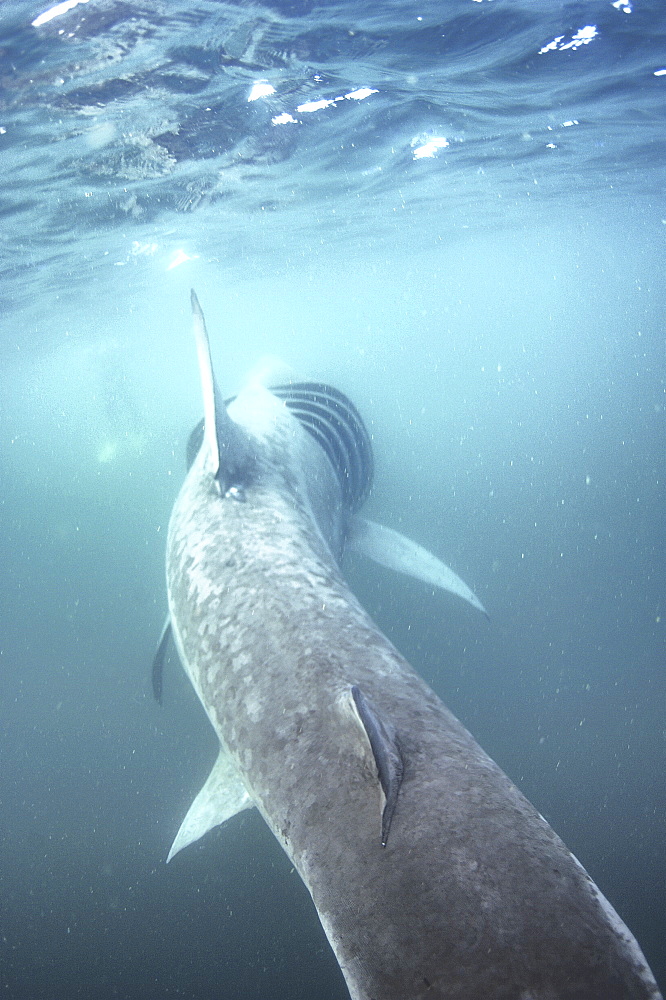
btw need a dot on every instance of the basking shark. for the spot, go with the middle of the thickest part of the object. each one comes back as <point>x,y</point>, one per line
<point>432,875</point>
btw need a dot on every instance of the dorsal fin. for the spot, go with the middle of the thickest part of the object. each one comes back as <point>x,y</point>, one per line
<point>229,445</point>
<point>385,748</point>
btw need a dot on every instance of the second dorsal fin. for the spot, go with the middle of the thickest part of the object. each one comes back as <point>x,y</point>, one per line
<point>386,751</point>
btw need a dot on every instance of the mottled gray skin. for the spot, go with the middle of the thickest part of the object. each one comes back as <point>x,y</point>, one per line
<point>474,897</point>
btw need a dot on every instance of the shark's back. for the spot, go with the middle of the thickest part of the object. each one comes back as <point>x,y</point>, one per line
<point>431,874</point>
<point>473,894</point>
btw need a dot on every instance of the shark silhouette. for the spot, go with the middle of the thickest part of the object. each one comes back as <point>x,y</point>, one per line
<point>432,875</point>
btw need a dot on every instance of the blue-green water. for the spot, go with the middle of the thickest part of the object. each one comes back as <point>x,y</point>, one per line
<point>495,310</point>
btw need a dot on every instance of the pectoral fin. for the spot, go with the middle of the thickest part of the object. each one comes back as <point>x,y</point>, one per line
<point>393,550</point>
<point>158,660</point>
<point>223,795</point>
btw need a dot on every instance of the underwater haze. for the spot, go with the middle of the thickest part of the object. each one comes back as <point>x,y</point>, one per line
<point>453,211</point>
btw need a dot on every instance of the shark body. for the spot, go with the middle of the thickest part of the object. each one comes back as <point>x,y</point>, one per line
<point>433,877</point>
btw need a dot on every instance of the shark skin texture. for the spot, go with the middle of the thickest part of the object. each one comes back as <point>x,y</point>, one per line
<point>432,875</point>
